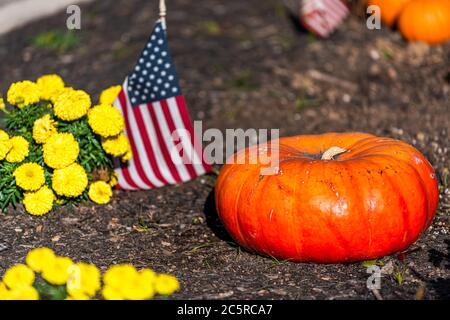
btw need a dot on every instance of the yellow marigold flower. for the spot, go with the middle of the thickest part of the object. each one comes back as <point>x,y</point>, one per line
<point>49,85</point>
<point>5,144</point>
<point>148,276</point>
<point>18,276</point>
<point>142,288</point>
<point>123,282</point>
<point>137,290</point>
<point>146,283</point>
<point>106,120</point>
<point>29,176</point>
<point>72,104</point>
<point>85,280</point>
<point>19,149</point>
<point>58,272</point>
<point>166,284</point>
<point>127,156</point>
<point>40,202</point>
<point>59,92</point>
<point>23,93</point>
<point>116,146</point>
<point>113,180</point>
<point>118,273</point>
<point>100,192</point>
<point>38,258</point>
<point>117,281</point>
<point>44,128</point>
<point>2,105</point>
<point>109,95</point>
<point>60,150</point>
<point>70,181</point>
<point>23,293</point>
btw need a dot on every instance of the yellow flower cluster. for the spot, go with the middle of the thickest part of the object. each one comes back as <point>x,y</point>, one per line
<point>116,146</point>
<point>23,93</point>
<point>107,121</point>
<point>66,134</point>
<point>30,177</point>
<point>60,152</point>
<point>17,284</point>
<point>82,281</point>
<point>2,104</point>
<point>124,282</point>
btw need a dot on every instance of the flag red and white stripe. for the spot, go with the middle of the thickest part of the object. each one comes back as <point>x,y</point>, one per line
<point>322,17</point>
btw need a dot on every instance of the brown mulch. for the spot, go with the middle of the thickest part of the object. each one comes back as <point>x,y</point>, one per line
<point>242,64</point>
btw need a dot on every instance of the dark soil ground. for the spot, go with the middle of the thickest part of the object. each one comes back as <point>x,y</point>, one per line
<point>242,64</point>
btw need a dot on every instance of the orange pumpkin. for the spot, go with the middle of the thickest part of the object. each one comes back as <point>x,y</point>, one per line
<point>426,20</point>
<point>337,197</point>
<point>390,9</point>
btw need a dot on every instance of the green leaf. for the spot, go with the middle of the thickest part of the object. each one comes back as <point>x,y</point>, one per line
<point>50,292</point>
<point>375,262</point>
<point>58,40</point>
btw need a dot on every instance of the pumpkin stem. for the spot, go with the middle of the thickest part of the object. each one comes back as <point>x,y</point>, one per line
<point>332,152</point>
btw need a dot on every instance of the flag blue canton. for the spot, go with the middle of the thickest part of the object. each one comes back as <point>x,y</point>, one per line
<point>154,77</point>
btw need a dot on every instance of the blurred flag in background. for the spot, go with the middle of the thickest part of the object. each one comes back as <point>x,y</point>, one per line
<point>321,17</point>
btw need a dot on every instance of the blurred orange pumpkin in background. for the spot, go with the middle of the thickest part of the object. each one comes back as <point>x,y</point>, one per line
<point>417,20</point>
<point>390,9</point>
<point>337,197</point>
<point>426,20</point>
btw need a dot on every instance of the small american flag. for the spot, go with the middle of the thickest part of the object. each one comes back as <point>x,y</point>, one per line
<point>154,110</point>
<point>322,17</point>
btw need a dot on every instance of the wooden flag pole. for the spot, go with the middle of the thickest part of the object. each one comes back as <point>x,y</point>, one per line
<point>162,8</point>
